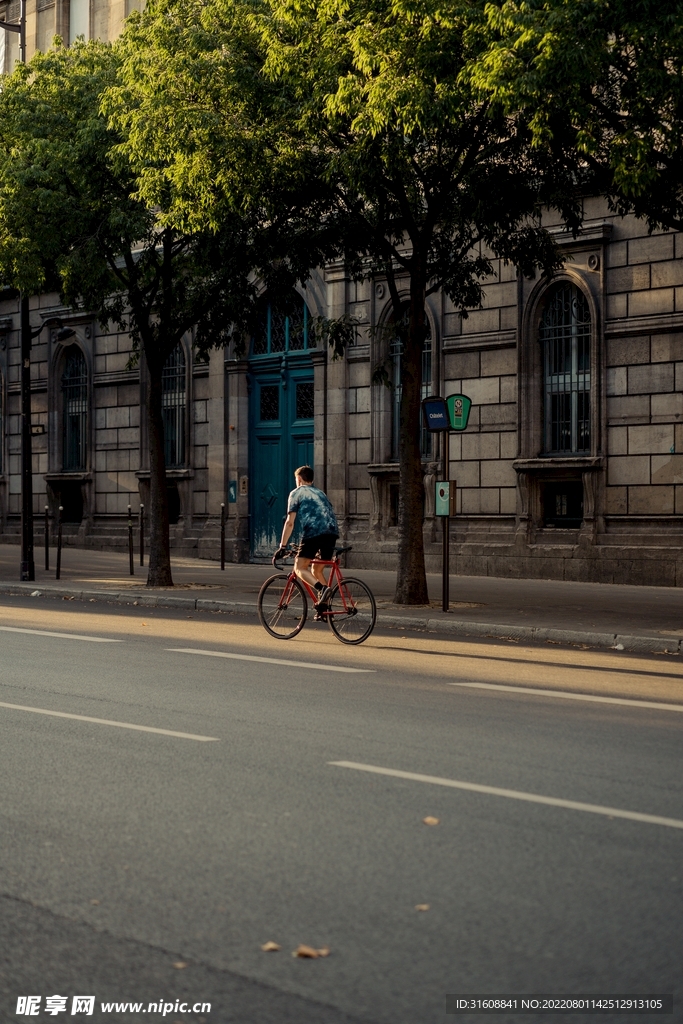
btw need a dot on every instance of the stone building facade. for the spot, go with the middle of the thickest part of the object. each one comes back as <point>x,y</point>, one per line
<point>571,466</point>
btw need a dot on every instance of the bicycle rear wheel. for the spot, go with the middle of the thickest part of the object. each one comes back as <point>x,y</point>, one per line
<point>282,606</point>
<point>353,612</point>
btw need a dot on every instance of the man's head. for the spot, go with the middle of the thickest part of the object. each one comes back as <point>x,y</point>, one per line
<point>303,475</point>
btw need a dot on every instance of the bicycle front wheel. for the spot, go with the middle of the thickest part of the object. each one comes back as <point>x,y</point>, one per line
<point>353,612</point>
<point>282,606</point>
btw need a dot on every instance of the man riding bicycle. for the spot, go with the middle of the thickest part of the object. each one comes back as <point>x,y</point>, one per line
<point>319,533</point>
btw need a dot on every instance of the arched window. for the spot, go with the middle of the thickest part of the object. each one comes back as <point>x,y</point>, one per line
<point>283,328</point>
<point>173,389</point>
<point>395,357</point>
<point>565,334</point>
<point>75,410</point>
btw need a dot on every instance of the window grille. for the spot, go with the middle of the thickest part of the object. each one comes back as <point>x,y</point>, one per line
<point>269,402</point>
<point>395,354</point>
<point>565,335</point>
<point>285,328</point>
<point>305,399</point>
<point>75,406</point>
<point>173,400</point>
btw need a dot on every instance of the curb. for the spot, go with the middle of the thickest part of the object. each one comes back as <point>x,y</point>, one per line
<point>459,627</point>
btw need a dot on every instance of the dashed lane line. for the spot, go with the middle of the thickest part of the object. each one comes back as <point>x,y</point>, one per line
<point>270,661</point>
<point>116,725</point>
<point>512,794</point>
<point>573,696</point>
<point>60,636</point>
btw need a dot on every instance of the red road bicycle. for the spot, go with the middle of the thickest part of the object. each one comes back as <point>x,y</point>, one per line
<point>283,607</point>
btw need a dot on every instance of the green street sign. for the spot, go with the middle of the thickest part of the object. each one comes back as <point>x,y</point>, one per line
<point>458,411</point>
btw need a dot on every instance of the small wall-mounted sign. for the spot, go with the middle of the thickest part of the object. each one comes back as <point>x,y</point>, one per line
<point>435,413</point>
<point>444,500</point>
<point>244,485</point>
<point>232,492</point>
<point>37,429</point>
<point>458,411</point>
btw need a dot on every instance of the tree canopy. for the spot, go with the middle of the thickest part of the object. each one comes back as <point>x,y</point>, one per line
<point>608,76</point>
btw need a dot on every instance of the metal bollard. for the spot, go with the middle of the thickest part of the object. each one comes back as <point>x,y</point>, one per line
<point>130,542</point>
<point>222,535</point>
<point>47,538</point>
<point>59,543</point>
<point>142,534</point>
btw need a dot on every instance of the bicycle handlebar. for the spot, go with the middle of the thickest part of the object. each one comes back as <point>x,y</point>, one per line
<point>286,553</point>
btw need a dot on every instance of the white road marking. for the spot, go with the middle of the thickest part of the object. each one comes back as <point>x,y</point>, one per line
<point>269,661</point>
<point>575,696</point>
<point>62,636</point>
<point>512,794</point>
<point>117,725</point>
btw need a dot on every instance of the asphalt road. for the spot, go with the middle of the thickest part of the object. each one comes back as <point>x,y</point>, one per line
<point>224,822</point>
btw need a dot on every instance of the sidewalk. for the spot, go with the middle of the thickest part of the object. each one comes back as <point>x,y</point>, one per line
<point>648,619</point>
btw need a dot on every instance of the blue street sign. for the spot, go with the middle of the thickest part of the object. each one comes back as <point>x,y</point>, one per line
<point>435,413</point>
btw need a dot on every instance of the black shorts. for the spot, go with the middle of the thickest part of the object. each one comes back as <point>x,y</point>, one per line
<point>319,547</point>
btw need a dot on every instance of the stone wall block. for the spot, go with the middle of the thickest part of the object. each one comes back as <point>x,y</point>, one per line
<point>498,417</point>
<point>666,275</point>
<point>657,377</point>
<point>481,321</point>
<point>628,470</point>
<point>509,445</point>
<point>667,348</point>
<point>650,500</point>
<point>649,440</point>
<point>628,279</point>
<point>616,380</point>
<point>498,474</point>
<point>461,364</point>
<point>632,409</point>
<point>627,351</point>
<point>363,450</point>
<point>480,446</point>
<point>650,248</point>
<point>508,500</point>
<point>118,417</point>
<point>466,473</point>
<point>651,302</point>
<point>616,500</point>
<point>482,390</point>
<point>667,469</point>
<point>359,424</point>
<point>498,362</point>
<point>616,254</point>
<point>667,408</point>
<point>490,500</point>
<point>617,440</point>
<point>616,307</point>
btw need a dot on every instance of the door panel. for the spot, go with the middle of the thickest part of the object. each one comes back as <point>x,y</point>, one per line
<point>281,438</point>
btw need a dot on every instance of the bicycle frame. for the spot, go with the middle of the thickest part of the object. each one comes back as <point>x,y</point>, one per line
<point>336,579</point>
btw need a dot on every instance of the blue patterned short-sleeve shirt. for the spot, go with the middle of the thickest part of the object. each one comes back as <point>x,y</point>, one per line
<point>314,513</point>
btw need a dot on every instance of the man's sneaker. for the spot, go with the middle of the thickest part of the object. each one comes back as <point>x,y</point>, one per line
<point>324,598</point>
<point>322,605</point>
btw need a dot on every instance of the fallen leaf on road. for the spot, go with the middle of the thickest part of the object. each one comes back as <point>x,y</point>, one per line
<point>430,821</point>
<point>422,906</point>
<point>325,951</point>
<point>270,947</point>
<point>309,953</point>
<point>95,903</point>
<point>179,965</point>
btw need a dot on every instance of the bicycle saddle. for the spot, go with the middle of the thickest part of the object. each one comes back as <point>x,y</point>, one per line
<point>340,551</point>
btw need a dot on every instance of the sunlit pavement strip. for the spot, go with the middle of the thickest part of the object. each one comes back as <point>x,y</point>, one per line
<point>117,725</point>
<point>512,794</point>
<point>62,636</point>
<point>574,696</point>
<point>269,661</point>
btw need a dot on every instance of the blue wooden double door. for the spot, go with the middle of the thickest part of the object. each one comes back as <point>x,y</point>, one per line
<point>280,440</point>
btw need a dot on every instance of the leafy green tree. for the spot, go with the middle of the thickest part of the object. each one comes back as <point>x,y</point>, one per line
<point>606,76</point>
<point>71,212</point>
<point>366,106</point>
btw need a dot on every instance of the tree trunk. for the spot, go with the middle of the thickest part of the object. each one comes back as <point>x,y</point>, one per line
<point>411,581</point>
<point>159,574</point>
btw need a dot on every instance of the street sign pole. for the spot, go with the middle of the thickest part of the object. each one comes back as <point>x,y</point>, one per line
<point>445,583</point>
